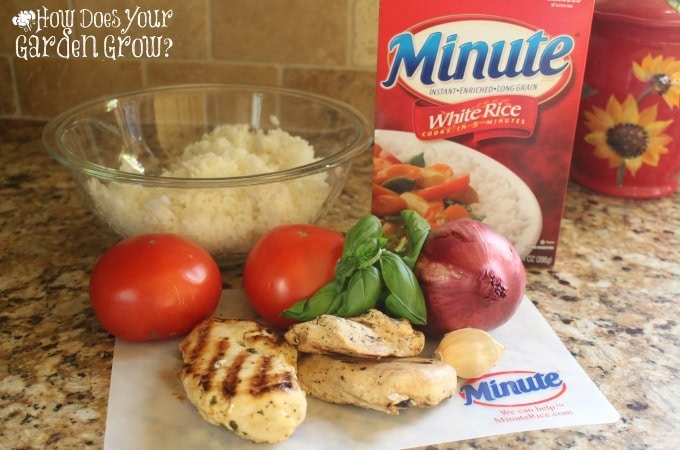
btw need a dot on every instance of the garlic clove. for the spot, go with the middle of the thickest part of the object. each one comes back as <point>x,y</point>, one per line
<point>471,351</point>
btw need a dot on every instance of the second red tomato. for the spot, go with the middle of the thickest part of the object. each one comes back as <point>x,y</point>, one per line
<point>288,264</point>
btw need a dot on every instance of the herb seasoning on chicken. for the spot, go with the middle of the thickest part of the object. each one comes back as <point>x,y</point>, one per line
<point>241,375</point>
<point>388,385</point>
<point>369,361</point>
<point>371,335</point>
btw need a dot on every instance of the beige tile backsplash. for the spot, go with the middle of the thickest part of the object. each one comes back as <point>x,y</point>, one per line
<point>323,46</point>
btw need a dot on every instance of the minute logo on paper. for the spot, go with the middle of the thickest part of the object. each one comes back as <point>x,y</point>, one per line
<point>513,388</point>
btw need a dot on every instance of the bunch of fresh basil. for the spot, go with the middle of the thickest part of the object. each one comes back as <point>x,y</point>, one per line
<point>373,272</point>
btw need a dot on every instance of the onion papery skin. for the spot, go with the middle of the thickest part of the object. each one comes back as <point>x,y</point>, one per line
<point>471,276</point>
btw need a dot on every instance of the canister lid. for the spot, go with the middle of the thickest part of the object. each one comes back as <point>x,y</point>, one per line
<point>658,13</point>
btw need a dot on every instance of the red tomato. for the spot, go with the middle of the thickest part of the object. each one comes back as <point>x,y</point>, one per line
<point>154,286</point>
<point>288,264</point>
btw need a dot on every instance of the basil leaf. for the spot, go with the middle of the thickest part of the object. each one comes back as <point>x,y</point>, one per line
<point>367,228</point>
<point>395,307</point>
<point>345,268</point>
<point>362,248</point>
<point>360,283</point>
<point>417,229</point>
<point>405,299</point>
<point>362,293</point>
<point>326,300</point>
<point>368,253</point>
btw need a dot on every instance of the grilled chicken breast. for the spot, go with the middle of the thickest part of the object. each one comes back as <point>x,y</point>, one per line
<point>388,385</point>
<point>371,335</point>
<point>241,375</point>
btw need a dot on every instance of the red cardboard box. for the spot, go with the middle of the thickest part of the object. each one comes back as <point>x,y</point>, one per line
<point>484,93</point>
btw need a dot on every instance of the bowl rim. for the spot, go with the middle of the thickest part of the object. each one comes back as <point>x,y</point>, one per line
<point>361,141</point>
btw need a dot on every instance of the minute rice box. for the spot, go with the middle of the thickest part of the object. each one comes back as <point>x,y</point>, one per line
<point>476,109</point>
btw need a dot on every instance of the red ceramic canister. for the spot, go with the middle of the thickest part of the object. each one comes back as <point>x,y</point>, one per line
<point>628,133</point>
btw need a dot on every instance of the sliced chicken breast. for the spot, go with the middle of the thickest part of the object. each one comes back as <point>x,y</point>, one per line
<point>241,375</point>
<point>388,385</point>
<point>371,335</point>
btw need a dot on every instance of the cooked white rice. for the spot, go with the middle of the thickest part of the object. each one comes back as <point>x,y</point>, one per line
<point>498,199</point>
<point>221,220</point>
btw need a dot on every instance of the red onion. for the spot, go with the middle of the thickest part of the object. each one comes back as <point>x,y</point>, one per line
<point>471,276</point>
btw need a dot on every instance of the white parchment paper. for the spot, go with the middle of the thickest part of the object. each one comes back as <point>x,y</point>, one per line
<point>148,409</point>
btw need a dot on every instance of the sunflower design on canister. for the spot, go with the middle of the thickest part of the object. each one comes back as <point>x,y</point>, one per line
<point>662,76</point>
<point>626,136</point>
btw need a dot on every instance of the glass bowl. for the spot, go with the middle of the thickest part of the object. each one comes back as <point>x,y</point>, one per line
<point>218,164</point>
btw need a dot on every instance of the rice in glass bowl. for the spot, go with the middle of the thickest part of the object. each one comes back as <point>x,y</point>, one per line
<point>218,164</point>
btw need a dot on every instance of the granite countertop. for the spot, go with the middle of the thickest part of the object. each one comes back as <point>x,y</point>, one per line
<point>612,297</point>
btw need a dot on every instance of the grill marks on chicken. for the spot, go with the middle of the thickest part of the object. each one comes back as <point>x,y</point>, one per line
<point>389,385</point>
<point>245,377</point>
<point>242,375</point>
<point>371,335</point>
